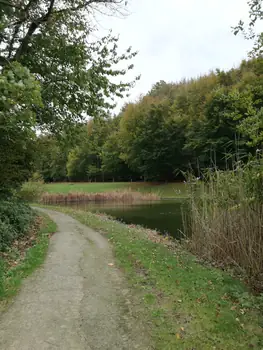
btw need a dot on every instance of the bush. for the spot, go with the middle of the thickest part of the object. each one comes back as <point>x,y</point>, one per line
<point>31,191</point>
<point>37,177</point>
<point>7,235</point>
<point>16,217</point>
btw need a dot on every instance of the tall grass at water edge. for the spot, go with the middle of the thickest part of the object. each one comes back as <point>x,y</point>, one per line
<point>126,196</point>
<point>163,190</point>
<point>225,224</point>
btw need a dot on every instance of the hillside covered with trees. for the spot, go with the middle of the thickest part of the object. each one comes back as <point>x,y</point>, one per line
<point>210,121</point>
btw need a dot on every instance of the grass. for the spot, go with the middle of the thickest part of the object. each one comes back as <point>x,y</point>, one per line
<point>225,221</point>
<point>185,304</point>
<point>124,196</point>
<point>169,190</point>
<point>18,265</point>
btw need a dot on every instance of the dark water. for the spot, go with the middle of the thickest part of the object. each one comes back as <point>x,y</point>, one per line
<point>164,216</point>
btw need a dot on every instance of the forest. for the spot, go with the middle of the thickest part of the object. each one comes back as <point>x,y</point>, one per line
<point>207,122</point>
<point>60,82</point>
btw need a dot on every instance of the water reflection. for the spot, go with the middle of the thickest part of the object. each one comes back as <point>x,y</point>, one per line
<point>164,216</point>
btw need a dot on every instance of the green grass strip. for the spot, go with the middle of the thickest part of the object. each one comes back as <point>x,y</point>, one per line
<point>185,304</point>
<point>170,190</point>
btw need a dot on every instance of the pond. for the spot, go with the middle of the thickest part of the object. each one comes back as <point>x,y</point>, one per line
<point>165,216</point>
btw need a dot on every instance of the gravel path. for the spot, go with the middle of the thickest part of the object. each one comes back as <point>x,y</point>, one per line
<point>75,300</point>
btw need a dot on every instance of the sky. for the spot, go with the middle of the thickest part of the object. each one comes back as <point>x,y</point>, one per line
<point>178,39</point>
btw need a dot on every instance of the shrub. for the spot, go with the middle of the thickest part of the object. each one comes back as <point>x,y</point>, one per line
<point>31,191</point>
<point>7,235</point>
<point>37,177</point>
<point>16,217</point>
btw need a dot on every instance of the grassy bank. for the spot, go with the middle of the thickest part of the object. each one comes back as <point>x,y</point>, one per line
<point>124,196</point>
<point>185,304</point>
<point>23,257</point>
<point>170,190</point>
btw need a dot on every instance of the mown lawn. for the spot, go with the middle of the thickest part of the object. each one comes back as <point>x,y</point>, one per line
<point>184,304</point>
<point>163,190</point>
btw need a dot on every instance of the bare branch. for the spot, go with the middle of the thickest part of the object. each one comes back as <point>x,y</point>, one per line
<point>32,28</point>
<point>10,49</point>
<point>87,3</point>
<point>45,18</point>
<point>23,17</point>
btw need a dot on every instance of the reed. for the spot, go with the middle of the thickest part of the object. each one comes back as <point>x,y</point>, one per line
<point>127,196</point>
<point>225,221</point>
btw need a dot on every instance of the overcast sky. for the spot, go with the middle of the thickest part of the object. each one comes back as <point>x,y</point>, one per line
<point>179,38</point>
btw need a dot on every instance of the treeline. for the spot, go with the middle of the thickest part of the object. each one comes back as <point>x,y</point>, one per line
<point>52,74</point>
<point>213,120</point>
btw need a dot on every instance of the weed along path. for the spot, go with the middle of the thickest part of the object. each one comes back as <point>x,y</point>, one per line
<point>77,300</point>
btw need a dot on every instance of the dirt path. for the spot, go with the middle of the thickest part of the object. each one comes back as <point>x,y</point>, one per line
<point>75,300</point>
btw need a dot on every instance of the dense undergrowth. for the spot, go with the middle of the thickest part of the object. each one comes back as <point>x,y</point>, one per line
<point>16,218</point>
<point>24,243</point>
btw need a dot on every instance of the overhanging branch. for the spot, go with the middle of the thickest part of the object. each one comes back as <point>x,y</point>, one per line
<point>32,28</point>
<point>7,3</point>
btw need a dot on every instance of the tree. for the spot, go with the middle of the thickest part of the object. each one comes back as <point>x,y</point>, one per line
<point>52,158</point>
<point>84,162</point>
<point>53,39</point>
<point>26,20</point>
<point>93,171</point>
<point>19,93</point>
<point>152,139</point>
<point>77,165</point>
<point>162,90</point>
<point>112,163</point>
<point>199,123</point>
<point>253,128</point>
<point>217,137</point>
<point>248,30</point>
